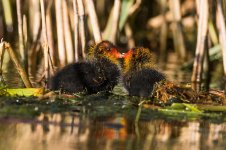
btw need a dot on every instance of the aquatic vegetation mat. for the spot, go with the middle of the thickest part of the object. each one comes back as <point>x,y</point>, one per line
<point>105,105</point>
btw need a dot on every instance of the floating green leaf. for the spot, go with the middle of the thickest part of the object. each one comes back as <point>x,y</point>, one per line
<point>22,92</point>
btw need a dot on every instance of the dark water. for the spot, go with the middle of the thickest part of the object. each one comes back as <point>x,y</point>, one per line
<point>71,131</point>
<point>103,121</point>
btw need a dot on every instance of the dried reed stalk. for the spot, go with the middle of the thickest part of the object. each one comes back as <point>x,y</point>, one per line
<point>224,8</point>
<point>222,31</point>
<point>7,15</point>
<point>76,29</point>
<point>36,29</point>
<point>2,51</point>
<point>100,6</point>
<point>135,7</point>
<point>177,29</point>
<point>94,20</point>
<point>115,20</point>
<point>33,54</point>
<point>129,35</point>
<point>52,52</point>
<point>200,47</point>
<point>19,68</point>
<point>34,19</point>
<point>67,33</point>
<point>81,18</point>
<point>110,31</point>
<point>212,32</point>
<point>163,32</point>
<point>45,41</point>
<point>25,28</point>
<point>20,31</point>
<point>60,32</point>
<point>1,27</point>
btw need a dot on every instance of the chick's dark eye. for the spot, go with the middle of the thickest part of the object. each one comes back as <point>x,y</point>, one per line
<point>108,49</point>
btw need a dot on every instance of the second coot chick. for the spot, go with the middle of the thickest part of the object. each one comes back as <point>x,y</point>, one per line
<point>139,75</point>
<point>100,72</point>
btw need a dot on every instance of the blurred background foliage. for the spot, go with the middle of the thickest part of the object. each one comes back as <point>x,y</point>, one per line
<point>168,27</point>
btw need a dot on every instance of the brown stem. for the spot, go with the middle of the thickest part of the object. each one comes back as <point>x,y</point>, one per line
<point>163,33</point>
<point>76,30</point>
<point>67,33</point>
<point>94,20</point>
<point>129,35</point>
<point>25,28</point>
<point>200,47</point>
<point>19,68</point>
<point>52,51</point>
<point>60,32</point>
<point>115,20</point>
<point>135,7</point>
<point>20,30</point>
<point>177,29</point>
<point>35,32</point>
<point>81,17</point>
<point>2,51</point>
<point>222,32</point>
<point>45,43</point>
<point>110,31</point>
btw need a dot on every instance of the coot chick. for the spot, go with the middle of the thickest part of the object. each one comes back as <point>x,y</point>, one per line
<point>139,74</point>
<point>100,72</point>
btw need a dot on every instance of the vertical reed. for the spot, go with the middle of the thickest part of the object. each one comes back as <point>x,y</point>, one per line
<point>34,19</point>
<point>110,31</point>
<point>224,8</point>
<point>67,33</point>
<point>177,29</point>
<point>2,51</point>
<point>52,51</point>
<point>222,32</point>
<point>76,29</point>
<point>8,15</point>
<point>135,7</point>
<point>45,41</point>
<point>81,19</point>
<point>115,20</point>
<point>94,20</point>
<point>25,28</point>
<point>200,47</point>
<point>60,32</point>
<point>20,31</point>
<point>163,32</point>
<point>129,35</point>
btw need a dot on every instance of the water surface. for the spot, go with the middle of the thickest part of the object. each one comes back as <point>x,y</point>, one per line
<point>102,121</point>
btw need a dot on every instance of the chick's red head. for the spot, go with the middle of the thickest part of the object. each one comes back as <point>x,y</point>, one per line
<point>106,48</point>
<point>137,58</point>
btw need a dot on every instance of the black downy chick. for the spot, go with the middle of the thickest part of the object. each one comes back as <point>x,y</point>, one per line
<point>101,72</point>
<point>139,75</point>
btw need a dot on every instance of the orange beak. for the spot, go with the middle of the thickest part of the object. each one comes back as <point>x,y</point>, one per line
<point>115,53</point>
<point>128,54</point>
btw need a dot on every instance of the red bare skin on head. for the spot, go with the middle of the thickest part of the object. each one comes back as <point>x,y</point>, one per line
<point>109,49</point>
